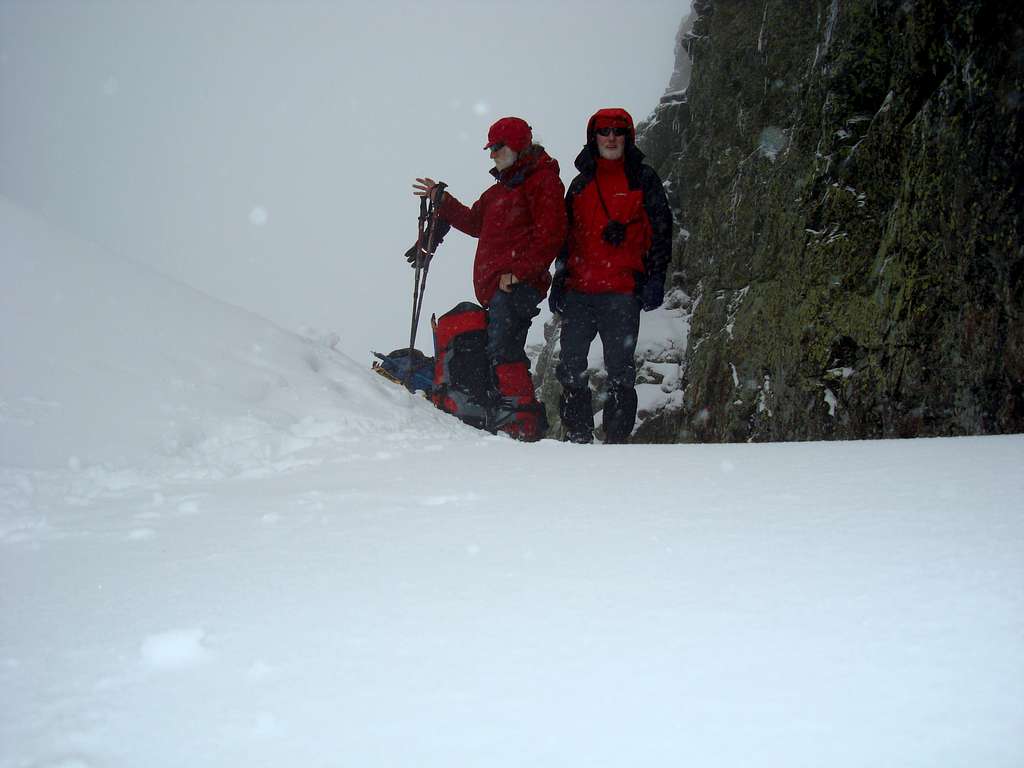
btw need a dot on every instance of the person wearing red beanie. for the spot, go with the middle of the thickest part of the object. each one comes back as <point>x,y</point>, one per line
<point>520,226</point>
<point>613,265</point>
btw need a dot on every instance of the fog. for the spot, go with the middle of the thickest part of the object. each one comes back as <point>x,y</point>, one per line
<point>264,152</point>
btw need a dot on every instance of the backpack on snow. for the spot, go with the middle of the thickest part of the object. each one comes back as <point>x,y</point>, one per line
<point>395,366</point>
<point>462,372</point>
<point>466,386</point>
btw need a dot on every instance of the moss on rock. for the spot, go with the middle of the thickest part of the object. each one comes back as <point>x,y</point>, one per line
<point>854,171</point>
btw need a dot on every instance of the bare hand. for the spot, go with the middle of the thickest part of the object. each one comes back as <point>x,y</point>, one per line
<point>425,187</point>
<point>506,281</point>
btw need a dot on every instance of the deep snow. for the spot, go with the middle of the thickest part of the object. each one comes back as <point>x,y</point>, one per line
<point>222,544</point>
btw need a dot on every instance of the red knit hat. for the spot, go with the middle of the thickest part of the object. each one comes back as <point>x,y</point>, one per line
<point>513,132</point>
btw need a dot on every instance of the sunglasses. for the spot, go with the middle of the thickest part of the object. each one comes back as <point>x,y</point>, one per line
<point>610,131</point>
<point>495,147</point>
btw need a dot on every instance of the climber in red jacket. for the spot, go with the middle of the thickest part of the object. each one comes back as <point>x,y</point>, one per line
<point>520,223</point>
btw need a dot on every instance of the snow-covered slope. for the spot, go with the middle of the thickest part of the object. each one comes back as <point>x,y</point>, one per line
<point>108,363</point>
<point>224,545</point>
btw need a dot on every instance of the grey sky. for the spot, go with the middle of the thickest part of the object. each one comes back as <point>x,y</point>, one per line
<point>264,151</point>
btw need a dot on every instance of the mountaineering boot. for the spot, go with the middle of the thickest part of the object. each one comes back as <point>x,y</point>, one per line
<point>619,415</point>
<point>516,410</point>
<point>577,414</point>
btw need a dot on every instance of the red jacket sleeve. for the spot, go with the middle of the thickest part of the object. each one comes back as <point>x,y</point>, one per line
<point>547,208</point>
<point>468,220</point>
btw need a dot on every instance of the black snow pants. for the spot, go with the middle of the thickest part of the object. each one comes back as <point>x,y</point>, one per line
<point>615,317</point>
<point>508,323</point>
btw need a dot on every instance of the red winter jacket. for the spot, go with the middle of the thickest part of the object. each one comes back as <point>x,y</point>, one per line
<point>633,195</point>
<point>594,265</point>
<point>520,222</point>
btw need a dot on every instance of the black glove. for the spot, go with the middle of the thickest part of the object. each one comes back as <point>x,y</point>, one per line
<point>556,298</point>
<point>413,254</point>
<point>442,229</point>
<point>652,292</point>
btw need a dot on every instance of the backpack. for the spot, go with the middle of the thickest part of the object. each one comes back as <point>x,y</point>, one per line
<point>466,387</point>
<point>462,372</point>
<point>395,366</point>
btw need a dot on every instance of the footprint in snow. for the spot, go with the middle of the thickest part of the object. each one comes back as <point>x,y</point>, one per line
<point>63,762</point>
<point>176,649</point>
<point>452,498</point>
<point>265,724</point>
<point>259,672</point>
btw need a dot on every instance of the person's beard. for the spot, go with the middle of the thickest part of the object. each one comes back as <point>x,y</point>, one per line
<point>611,154</point>
<point>505,158</point>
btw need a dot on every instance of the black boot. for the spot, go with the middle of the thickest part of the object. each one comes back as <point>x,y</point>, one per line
<point>577,414</point>
<point>619,415</point>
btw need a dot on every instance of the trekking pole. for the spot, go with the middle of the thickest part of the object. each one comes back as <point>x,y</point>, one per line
<point>416,285</point>
<point>429,256</point>
<point>427,226</point>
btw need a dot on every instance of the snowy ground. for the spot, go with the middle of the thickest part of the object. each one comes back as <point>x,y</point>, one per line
<point>223,545</point>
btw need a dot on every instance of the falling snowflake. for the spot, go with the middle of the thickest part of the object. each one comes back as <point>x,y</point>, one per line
<point>258,216</point>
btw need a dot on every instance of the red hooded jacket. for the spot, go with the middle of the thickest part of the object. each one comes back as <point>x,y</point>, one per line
<point>520,223</point>
<point>625,191</point>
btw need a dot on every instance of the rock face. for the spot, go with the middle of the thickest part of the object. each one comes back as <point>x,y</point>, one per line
<point>848,177</point>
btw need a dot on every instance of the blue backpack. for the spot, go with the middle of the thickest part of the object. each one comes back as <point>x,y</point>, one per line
<point>395,366</point>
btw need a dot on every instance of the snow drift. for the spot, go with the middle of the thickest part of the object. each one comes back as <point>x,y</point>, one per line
<point>107,362</point>
<point>222,544</point>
